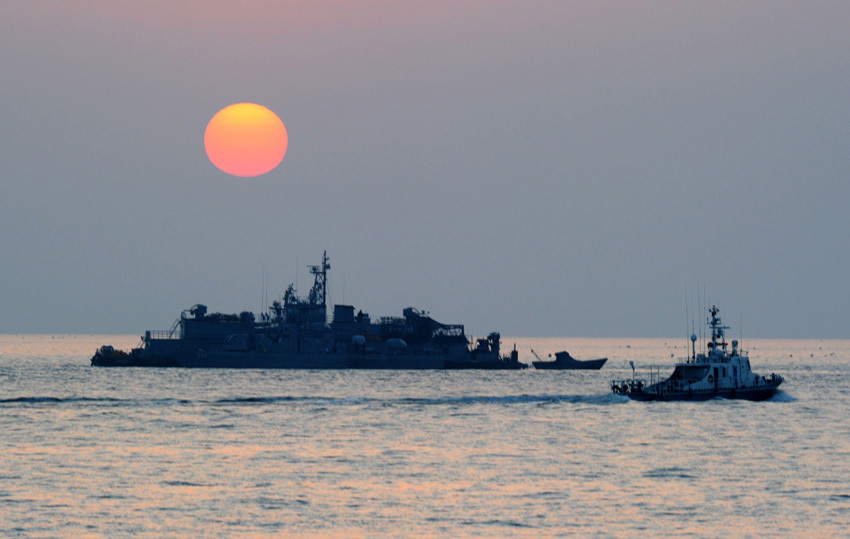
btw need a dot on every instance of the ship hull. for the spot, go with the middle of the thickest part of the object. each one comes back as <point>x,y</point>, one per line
<point>575,365</point>
<point>254,360</point>
<point>495,365</point>
<point>750,394</point>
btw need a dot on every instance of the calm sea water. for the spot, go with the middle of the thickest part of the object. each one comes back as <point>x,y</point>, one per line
<point>149,452</point>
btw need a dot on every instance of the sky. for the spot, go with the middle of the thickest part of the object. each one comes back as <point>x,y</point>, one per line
<point>537,168</point>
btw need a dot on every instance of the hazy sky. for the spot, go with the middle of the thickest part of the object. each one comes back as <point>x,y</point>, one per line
<point>538,168</point>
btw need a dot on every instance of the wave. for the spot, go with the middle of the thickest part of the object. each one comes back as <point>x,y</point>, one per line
<point>256,400</point>
<point>781,396</point>
<point>433,401</point>
<point>89,400</point>
<point>41,400</point>
<point>466,400</point>
<point>603,399</point>
<point>186,484</point>
<point>669,473</point>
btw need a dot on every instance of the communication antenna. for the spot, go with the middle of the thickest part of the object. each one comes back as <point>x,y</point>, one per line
<point>687,316</point>
<point>263,289</point>
<point>699,310</point>
<point>741,330</point>
<point>704,305</point>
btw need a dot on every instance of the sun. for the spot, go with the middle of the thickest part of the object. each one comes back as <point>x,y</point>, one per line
<point>246,139</point>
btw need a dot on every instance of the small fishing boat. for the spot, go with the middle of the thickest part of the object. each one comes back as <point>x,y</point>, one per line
<point>564,361</point>
<point>716,373</point>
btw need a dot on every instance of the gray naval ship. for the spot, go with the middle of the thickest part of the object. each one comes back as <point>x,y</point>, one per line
<point>295,334</point>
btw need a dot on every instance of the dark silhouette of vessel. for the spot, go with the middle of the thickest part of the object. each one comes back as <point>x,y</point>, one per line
<point>564,361</point>
<point>296,334</point>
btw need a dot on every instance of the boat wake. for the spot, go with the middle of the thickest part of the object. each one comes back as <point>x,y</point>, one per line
<point>471,400</point>
<point>781,396</point>
<point>56,400</point>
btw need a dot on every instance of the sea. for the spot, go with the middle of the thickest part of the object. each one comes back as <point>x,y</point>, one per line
<point>100,452</point>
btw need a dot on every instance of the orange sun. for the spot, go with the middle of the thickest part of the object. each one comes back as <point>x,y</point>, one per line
<point>246,140</point>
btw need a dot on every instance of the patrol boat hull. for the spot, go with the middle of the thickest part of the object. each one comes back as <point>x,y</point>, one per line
<point>750,394</point>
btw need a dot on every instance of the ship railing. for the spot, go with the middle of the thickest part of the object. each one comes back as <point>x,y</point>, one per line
<point>635,385</point>
<point>162,334</point>
<point>630,385</point>
<point>448,330</point>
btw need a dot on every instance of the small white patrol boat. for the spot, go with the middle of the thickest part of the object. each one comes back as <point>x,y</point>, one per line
<point>717,373</point>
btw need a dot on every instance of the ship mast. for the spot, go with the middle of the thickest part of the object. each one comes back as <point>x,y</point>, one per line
<point>717,330</point>
<point>319,292</point>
